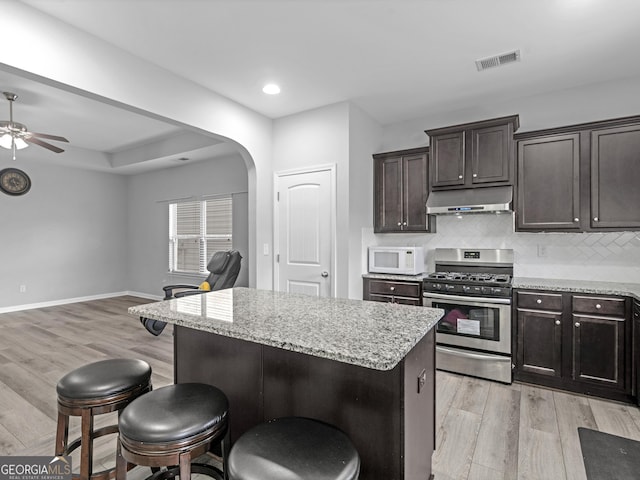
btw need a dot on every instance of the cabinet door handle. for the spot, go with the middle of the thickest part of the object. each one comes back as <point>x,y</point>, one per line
<point>576,220</point>
<point>557,322</point>
<point>538,301</point>
<point>598,306</point>
<point>595,219</point>
<point>475,175</point>
<point>577,324</point>
<point>404,223</point>
<point>460,177</point>
<point>399,224</point>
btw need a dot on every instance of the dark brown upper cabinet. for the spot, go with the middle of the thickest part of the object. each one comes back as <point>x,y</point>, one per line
<point>400,191</point>
<point>473,154</point>
<point>579,178</point>
<point>615,177</point>
<point>548,184</point>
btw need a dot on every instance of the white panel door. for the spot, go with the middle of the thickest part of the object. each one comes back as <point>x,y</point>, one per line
<point>304,232</point>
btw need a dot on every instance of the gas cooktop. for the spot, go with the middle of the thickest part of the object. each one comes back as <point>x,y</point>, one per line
<point>479,272</point>
<point>471,277</point>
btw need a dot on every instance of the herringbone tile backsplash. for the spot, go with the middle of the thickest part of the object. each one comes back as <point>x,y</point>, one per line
<point>611,256</point>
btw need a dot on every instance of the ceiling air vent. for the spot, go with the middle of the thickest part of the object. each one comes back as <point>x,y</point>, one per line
<point>498,60</point>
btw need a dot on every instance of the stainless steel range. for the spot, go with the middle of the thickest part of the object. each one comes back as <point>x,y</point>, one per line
<point>473,286</point>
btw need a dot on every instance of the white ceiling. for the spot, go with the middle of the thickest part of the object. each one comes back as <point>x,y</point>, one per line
<point>396,59</point>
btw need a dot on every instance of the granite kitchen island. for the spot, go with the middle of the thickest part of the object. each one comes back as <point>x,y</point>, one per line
<point>366,367</point>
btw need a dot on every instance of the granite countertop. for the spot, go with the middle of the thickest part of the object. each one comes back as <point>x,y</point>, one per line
<point>369,334</point>
<point>581,286</point>
<point>395,276</point>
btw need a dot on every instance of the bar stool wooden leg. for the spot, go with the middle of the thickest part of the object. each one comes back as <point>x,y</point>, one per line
<point>86,463</point>
<point>185,466</point>
<point>62,434</point>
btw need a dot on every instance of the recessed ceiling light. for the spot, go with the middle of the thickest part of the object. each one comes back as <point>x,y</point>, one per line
<point>271,89</point>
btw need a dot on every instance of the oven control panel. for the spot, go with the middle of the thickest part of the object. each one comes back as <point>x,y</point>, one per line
<point>471,290</point>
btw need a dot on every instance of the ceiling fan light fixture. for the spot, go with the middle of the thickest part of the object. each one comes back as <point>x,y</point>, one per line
<point>5,142</point>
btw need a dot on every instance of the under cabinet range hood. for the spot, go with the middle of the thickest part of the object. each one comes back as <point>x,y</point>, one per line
<point>470,200</point>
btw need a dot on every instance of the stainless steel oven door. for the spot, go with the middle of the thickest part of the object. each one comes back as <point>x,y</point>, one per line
<point>473,322</point>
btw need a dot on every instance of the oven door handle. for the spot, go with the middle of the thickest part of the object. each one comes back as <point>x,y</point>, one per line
<point>469,354</point>
<point>459,298</point>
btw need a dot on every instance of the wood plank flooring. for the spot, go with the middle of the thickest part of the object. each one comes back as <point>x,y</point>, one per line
<point>484,430</point>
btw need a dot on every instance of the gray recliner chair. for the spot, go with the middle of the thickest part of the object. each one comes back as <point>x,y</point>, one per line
<point>223,270</point>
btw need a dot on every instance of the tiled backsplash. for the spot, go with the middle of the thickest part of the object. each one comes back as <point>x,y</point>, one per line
<point>608,257</point>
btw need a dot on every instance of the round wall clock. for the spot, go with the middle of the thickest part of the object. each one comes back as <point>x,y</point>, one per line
<point>14,181</point>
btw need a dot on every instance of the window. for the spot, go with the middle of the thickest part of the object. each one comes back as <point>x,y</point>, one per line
<point>197,229</point>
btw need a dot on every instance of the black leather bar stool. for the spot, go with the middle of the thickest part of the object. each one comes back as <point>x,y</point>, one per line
<point>93,389</point>
<point>293,448</point>
<point>170,427</point>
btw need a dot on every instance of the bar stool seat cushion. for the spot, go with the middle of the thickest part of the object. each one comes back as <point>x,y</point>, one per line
<point>174,413</point>
<point>104,378</point>
<point>294,448</point>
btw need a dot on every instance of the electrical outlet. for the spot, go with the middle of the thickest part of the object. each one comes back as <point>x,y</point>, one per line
<point>422,380</point>
<point>23,289</point>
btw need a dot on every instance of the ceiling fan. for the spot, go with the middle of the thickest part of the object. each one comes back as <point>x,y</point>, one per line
<point>15,136</point>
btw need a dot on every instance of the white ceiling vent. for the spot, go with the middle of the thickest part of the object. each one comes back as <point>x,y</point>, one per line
<point>498,60</point>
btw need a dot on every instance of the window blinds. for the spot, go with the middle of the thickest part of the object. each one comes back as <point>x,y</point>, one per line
<point>197,229</point>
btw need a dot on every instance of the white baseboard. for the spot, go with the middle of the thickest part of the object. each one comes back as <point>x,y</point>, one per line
<point>64,301</point>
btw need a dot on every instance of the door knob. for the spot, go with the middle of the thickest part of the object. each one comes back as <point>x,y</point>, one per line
<point>325,274</point>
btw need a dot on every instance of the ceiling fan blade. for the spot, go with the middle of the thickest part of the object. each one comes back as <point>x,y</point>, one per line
<point>49,137</point>
<point>46,145</point>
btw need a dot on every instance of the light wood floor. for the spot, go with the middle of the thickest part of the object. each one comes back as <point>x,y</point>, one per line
<point>485,430</point>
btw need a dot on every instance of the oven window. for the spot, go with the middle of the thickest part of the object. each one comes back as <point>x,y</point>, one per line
<point>469,321</point>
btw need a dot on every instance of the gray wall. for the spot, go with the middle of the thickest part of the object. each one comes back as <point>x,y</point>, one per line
<point>148,217</point>
<point>320,137</point>
<point>66,238</point>
<point>82,234</point>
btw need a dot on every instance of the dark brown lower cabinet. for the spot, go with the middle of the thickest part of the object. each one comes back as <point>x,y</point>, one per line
<point>575,342</point>
<point>392,291</point>
<point>598,351</point>
<point>636,350</point>
<point>388,415</point>
<point>540,342</point>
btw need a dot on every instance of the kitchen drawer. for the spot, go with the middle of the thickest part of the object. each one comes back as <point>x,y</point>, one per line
<point>404,289</point>
<point>598,305</point>
<point>540,301</point>
<point>394,299</point>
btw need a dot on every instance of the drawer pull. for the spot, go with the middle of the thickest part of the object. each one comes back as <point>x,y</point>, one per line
<point>577,324</point>
<point>538,301</point>
<point>557,322</point>
<point>392,288</point>
<point>598,306</point>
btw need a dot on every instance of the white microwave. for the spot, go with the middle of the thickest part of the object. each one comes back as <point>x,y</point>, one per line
<point>400,260</point>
